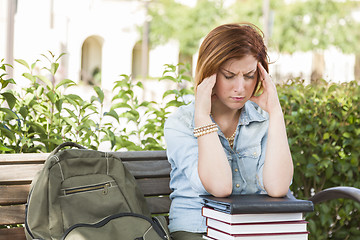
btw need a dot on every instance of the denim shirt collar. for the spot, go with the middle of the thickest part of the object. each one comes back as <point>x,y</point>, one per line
<point>251,112</point>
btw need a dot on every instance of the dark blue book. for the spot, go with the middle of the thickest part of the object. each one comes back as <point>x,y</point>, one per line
<point>257,203</point>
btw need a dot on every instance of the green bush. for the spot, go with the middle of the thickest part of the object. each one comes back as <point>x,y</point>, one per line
<point>43,115</point>
<point>323,126</point>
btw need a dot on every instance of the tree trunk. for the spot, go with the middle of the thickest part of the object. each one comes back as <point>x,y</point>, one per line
<point>318,66</point>
<point>186,59</point>
<point>357,67</point>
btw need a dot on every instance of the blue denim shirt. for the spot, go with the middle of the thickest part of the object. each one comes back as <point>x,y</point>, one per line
<point>246,160</point>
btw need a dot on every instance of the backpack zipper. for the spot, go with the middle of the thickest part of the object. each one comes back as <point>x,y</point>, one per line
<point>158,229</point>
<point>102,186</point>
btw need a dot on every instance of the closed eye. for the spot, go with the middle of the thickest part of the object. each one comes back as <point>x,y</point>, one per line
<point>228,76</point>
<point>250,76</point>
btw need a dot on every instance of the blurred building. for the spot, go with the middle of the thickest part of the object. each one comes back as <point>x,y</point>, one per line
<point>102,39</point>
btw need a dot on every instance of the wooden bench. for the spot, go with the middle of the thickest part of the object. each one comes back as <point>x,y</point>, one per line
<point>150,168</point>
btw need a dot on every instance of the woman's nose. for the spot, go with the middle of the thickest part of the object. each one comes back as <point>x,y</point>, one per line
<point>239,84</point>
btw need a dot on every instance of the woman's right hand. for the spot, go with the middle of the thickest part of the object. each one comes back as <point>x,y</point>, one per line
<point>213,166</point>
<point>204,97</point>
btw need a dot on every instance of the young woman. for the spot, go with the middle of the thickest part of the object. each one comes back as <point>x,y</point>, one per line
<point>231,139</point>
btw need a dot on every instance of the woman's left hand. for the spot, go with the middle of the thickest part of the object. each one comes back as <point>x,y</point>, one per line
<point>278,166</point>
<point>268,100</point>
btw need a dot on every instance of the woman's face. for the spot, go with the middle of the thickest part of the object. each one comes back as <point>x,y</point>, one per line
<point>236,81</point>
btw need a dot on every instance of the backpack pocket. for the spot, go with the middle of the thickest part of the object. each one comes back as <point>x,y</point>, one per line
<point>89,199</point>
<point>126,226</point>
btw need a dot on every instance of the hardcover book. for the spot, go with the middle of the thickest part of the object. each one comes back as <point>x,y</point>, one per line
<point>257,228</point>
<point>251,218</point>
<point>215,234</point>
<point>257,203</point>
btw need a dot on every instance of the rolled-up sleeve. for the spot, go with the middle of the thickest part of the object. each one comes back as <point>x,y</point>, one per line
<point>182,153</point>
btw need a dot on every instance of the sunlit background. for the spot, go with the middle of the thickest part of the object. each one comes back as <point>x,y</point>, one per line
<point>105,38</point>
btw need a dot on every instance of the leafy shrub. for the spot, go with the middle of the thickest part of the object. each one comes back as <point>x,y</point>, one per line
<point>146,119</point>
<point>42,115</point>
<point>323,127</point>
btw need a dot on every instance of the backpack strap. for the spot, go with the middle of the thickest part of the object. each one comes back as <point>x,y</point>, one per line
<point>66,144</point>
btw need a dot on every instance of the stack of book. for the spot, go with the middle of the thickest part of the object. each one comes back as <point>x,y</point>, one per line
<point>255,217</point>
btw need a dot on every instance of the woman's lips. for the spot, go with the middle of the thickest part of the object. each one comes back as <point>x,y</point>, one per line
<point>238,98</point>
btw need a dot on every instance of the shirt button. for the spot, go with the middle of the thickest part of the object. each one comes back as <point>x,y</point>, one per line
<point>236,170</point>
<point>237,185</point>
<point>254,153</point>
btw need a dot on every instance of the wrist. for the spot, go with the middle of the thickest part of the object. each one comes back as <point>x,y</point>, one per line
<point>276,113</point>
<point>275,110</point>
<point>202,119</point>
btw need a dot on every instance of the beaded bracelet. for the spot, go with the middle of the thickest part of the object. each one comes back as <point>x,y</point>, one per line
<point>206,129</point>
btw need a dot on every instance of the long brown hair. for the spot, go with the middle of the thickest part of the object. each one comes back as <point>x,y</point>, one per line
<point>226,42</point>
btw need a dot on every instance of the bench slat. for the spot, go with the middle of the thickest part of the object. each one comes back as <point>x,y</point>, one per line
<point>23,158</point>
<point>151,187</point>
<point>13,194</point>
<point>12,233</point>
<point>18,174</point>
<point>159,205</point>
<point>12,214</point>
<point>141,155</point>
<point>143,169</point>
<point>29,158</point>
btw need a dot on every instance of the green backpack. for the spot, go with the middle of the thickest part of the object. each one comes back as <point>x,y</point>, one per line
<point>87,194</point>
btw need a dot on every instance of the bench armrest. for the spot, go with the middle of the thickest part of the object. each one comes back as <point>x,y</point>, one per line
<point>335,193</point>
